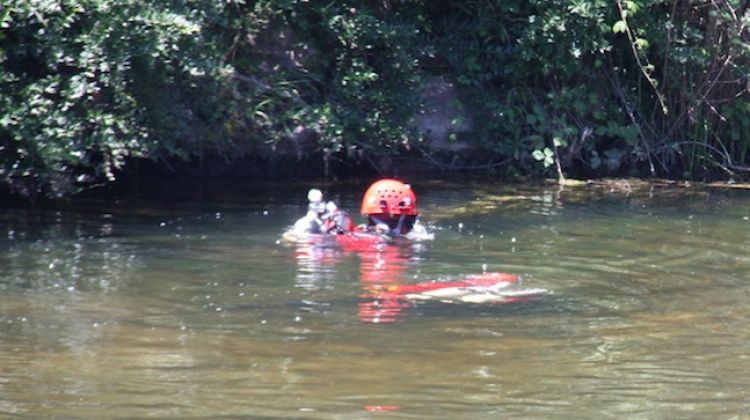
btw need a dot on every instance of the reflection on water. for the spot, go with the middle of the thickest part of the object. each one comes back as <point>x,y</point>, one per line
<point>376,265</point>
<point>381,267</point>
<point>193,308</point>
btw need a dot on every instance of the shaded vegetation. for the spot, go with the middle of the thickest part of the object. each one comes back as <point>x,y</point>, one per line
<point>557,87</point>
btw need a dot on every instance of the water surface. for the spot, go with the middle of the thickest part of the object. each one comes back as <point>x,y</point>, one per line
<point>187,304</point>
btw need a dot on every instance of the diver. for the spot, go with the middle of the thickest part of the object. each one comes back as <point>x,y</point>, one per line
<point>390,207</point>
<point>312,221</point>
<point>335,220</point>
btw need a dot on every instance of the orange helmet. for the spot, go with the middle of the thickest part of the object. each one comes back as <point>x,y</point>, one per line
<point>389,196</point>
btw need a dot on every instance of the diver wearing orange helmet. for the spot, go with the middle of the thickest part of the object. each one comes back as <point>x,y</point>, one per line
<point>390,207</point>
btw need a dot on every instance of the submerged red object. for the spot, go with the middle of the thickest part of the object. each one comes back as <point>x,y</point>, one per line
<point>386,304</point>
<point>484,280</point>
<point>476,288</point>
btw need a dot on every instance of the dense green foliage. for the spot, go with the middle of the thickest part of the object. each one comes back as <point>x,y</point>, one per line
<point>589,87</point>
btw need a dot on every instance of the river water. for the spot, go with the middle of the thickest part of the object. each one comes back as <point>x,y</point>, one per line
<point>187,304</point>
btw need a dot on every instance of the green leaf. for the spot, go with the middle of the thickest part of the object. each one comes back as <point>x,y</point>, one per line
<point>620,26</point>
<point>539,112</point>
<point>633,6</point>
<point>537,140</point>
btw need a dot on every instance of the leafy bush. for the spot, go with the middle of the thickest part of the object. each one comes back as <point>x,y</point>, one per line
<point>580,87</point>
<point>88,84</point>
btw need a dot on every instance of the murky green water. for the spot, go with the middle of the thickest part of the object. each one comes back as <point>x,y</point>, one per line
<point>184,305</point>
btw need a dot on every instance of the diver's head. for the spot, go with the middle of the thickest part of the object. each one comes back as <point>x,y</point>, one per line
<point>388,198</point>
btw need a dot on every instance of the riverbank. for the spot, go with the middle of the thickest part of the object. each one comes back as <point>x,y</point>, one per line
<point>206,176</point>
